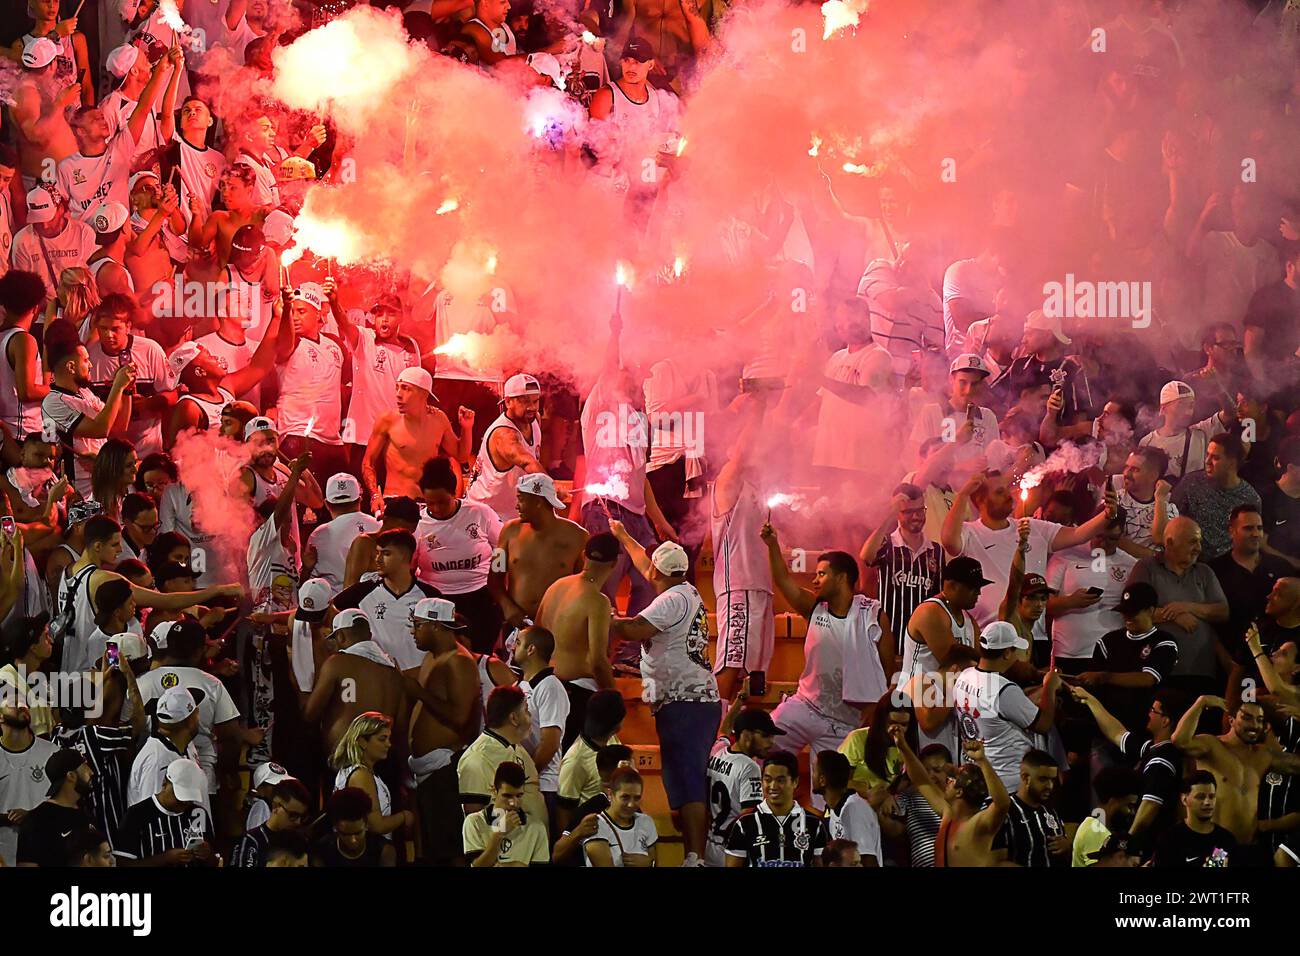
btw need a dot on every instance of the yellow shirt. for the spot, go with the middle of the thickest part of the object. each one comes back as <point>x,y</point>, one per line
<point>579,778</point>
<point>1088,838</point>
<point>523,846</point>
<point>477,769</point>
<point>855,748</point>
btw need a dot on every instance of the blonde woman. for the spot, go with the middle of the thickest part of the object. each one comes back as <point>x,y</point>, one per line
<point>367,741</point>
<point>75,299</point>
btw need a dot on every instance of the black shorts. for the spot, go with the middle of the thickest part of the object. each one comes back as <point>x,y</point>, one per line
<point>578,697</point>
<point>441,817</point>
<point>484,616</point>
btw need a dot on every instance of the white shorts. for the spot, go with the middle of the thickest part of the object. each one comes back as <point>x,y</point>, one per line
<point>746,631</point>
<point>806,727</point>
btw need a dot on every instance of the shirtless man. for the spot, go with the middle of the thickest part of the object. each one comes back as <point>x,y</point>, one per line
<point>535,550</point>
<point>407,438</point>
<point>510,447</point>
<point>72,61</point>
<point>675,29</point>
<point>577,613</point>
<point>39,111</point>
<point>444,721</point>
<point>361,677</point>
<point>1238,759</point>
<point>401,514</point>
<point>237,186</point>
<point>967,832</point>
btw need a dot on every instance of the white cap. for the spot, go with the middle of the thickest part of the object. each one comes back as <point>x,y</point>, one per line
<point>968,362</point>
<point>142,174</point>
<point>440,611</point>
<point>1000,635</point>
<point>175,704</point>
<point>270,772</point>
<point>131,645</point>
<point>541,485</point>
<point>160,633</point>
<point>1174,391</point>
<point>547,65</point>
<point>277,228</point>
<point>311,293</point>
<point>1040,320</point>
<point>39,52</point>
<point>121,60</point>
<point>348,617</point>
<point>107,217</point>
<point>188,780</point>
<point>342,489</point>
<point>670,558</point>
<point>314,599</point>
<point>259,424</point>
<point>180,360</point>
<point>520,385</point>
<point>41,206</point>
<point>417,378</point>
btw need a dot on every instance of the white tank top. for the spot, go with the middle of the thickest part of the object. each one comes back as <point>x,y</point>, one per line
<point>495,488</point>
<point>919,659</point>
<point>503,38</point>
<point>485,683</point>
<point>739,554</point>
<point>210,408</point>
<point>22,417</point>
<point>381,788</point>
<point>98,264</point>
<point>841,661</point>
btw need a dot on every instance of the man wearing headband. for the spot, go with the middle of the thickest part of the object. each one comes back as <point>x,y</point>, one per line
<point>406,438</point>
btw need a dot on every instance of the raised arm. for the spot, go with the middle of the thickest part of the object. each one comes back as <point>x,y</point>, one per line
<point>1071,537</point>
<point>799,599</point>
<point>640,560</point>
<point>1272,680</point>
<point>955,519</point>
<point>917,773</point>
<point>1109,726</point>
<point>144,105</point>
<point>989,819</point>
<point>871,547</point>
<point>1200,746</point>
<point>1011,600</point>
<point>243,380</point>
<point>102,424</point>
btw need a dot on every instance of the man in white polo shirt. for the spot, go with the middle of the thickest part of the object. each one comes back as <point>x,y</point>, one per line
<point>327,548</point>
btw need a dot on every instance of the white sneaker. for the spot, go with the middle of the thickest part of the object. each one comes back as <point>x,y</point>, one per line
<point>692,859</point>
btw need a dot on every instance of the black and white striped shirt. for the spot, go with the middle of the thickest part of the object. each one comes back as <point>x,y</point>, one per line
<point>922,825</point>
<point>906,579</point>
<point>1279,793</point>
<point>108,750</point>
<point>150,830</point>
<point>1027,832</point>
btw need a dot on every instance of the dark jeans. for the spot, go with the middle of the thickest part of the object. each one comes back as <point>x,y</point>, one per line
<point>484,616</point>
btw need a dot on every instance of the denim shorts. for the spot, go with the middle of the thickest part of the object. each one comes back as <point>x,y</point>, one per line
<point>687,730</point>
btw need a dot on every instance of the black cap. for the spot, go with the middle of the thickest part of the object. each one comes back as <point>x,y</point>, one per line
<point>387,302</point>
<point>1115,843</point>
<point>61,763</point>
<point>1138,596</point>
<point>637,49</point>
<point>603,547</point>
<point>170,571</point>
<point>756,719</point>
<point>402,508</point>
<point>20,634</point>
<point>1036,584</point>
<point>965,571</point>
<point>249,240</point>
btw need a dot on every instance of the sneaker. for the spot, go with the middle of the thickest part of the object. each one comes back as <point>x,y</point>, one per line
<point>692,859</point>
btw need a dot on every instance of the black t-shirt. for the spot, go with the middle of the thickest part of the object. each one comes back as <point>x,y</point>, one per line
<point>1247,592</point>
<point>325,852</point>
<point>1161,767</point>
<point>1154,653</point>
<point>45,835</point>
<point>1281,518</point>
<point>1184,848</point>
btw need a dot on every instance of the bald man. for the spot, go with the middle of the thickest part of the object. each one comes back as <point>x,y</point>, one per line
<point>1191,602</point>
<point>1281,621</point>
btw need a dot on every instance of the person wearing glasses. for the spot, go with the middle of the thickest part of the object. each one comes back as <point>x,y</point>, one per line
<point>290,806</point>
<point>140,524</point>
<point>1217,381</point>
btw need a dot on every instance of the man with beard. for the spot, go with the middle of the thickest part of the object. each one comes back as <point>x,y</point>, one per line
<point>907,564</point>
<point>1034,833</point>
<point>74,415</point>
<point>537,549</point>
<point>1144,496</point>
<point>264,478</point>
<point>41,838</point>
<point>1238,759</point>
<point>510,448</point>
<point>38,111</point>
<point>23,786</point>
<point>407,438</point>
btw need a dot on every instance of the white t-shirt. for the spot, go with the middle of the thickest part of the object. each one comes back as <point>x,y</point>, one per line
<point>735,784</point>
<point>150,361</point>
<point>1138,515</point>
<point>966,279</point>
<point>149,770</point>
<point>390,616</point>
<point>675,433</point>
<point>117,110</point>
<point>176,513</point>
<point>636,840</point>
<point>855,820</point>
<point>930,423</point>
<point>331,542</point>
<point>994,551</point>
<point>842,660</point>
<point>455,555</point>
<point>268,558</point>
<point>375,367</point>
<point>66,410</point>
<point>548,702</point>
<point>847,436</point>
<point>22,787</point>
<point>1075,634</point>
<point>674,665</point>
<point>214,703</point>
<point>89,180</point>
<point>991,708</point>
<point>201,170</point>
<point>49,256</point>
<point>311,391</point>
